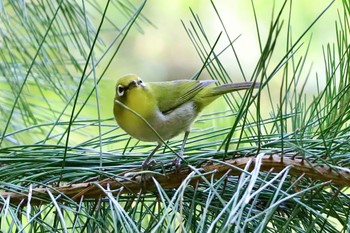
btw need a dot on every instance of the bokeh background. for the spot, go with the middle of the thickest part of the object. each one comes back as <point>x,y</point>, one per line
<point>164,51</point>
<point>157,48</point>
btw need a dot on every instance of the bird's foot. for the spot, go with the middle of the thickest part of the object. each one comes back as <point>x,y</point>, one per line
<point>176,163</point>
<point>145,176</point>
<point>147,164</point>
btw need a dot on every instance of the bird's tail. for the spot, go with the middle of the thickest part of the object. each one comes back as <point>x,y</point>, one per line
<point>231,87</point>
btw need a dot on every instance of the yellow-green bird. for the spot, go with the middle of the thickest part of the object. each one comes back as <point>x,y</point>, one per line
<point>158,111</point>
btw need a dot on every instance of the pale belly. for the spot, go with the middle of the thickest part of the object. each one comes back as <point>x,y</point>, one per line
<point>166,125</point>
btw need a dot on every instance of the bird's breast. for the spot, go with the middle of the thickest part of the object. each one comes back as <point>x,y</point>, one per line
<point>134,119</point>
<point>149,120</point>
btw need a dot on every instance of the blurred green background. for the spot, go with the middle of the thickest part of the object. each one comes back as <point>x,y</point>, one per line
<point>164,51</point>
<point>157,48</point>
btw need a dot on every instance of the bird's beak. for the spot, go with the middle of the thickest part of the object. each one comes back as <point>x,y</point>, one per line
<point>132,84</point>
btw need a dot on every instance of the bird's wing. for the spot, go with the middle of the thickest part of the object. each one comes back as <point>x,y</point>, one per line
<point>170,95</point>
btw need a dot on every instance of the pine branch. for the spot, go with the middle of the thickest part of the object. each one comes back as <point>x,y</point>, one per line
<point>172,180</point>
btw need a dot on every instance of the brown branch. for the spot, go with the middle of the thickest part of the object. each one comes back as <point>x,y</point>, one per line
<point>174,179</point>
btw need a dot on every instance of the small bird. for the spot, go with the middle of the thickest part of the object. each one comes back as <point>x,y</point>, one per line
<point>158,111</point>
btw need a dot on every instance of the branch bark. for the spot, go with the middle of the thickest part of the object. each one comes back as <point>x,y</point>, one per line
<point>173,179</point>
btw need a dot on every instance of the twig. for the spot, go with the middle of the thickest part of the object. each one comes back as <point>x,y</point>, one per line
<point>173,179</point>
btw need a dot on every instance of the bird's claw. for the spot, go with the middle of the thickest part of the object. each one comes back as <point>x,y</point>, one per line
<point>177,164</point>
<point>147,164</point>
<point>144,167</point>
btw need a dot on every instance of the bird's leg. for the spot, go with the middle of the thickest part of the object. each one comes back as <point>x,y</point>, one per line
<point>177,161</point>
<point>146,163</point>
<point>182,150</point>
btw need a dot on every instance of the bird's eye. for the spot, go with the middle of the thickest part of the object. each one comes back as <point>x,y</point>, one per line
<point>120,90</point>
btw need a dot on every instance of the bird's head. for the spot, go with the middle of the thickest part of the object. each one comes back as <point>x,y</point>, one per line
<point>127,84</point>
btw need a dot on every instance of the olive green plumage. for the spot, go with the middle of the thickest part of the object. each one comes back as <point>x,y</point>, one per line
<point>169,108</point>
